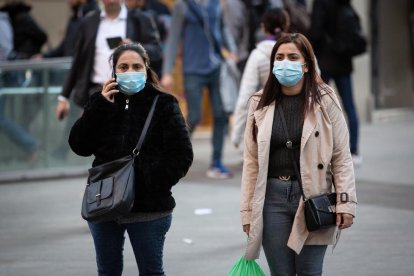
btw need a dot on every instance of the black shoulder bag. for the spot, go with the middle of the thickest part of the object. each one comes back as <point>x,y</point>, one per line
<point>319,210</point>
<point>110,191</point>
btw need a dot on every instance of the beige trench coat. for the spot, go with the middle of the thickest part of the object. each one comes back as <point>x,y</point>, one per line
<point>324,143</point>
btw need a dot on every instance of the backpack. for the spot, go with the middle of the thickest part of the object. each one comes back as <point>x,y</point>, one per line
<point>348,39</point>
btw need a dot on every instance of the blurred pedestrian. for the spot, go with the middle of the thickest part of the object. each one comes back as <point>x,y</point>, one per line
<point>162,17</point>
<point>158,10</point>
<point>28,37</point>
<point>28,40</point>
<point>274,23</point>
<point>109,128</point>
<point>335,66</point>
<point>299,16</point>
<point>237,19</point>
<point>272,208</point>
<point>98,33</point>
<point>197,25</point>
<point>67,46</point>
<point>11,129</point>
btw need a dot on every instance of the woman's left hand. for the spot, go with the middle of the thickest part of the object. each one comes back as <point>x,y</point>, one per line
<point>344,220</point>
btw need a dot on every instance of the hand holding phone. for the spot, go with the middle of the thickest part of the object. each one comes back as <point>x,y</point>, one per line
<point>110,88</point>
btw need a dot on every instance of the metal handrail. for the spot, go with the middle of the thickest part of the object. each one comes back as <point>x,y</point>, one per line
<point>44,88</point>
<point>46,63</point>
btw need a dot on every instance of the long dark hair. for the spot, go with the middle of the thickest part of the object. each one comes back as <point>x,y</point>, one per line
<point>152,77</point>
<point>272,90</point>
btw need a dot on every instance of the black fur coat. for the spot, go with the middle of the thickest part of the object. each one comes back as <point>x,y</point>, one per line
<point>109,131</point>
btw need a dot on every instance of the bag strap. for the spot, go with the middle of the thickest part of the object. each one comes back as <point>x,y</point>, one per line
<point>289,146</point>
<point>136,150</point>
<point>207,31</point>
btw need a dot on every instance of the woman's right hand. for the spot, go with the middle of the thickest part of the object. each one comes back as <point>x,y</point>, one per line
<point>108,90</point>
<point>246,229</point>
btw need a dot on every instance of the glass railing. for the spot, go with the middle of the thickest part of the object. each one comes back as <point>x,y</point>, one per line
<point>33,143</point>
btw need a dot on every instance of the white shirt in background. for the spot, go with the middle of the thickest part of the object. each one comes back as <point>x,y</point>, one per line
<point>107,28</point>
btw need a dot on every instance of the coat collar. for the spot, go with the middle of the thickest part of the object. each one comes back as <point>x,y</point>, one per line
<point>264,120</point>
<point>309,124</point>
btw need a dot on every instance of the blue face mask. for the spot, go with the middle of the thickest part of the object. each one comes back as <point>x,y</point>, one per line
<point>287,72</point>
<point>131,83</point>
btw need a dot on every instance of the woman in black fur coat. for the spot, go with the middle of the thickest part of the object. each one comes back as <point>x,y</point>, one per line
<point>109,129</point>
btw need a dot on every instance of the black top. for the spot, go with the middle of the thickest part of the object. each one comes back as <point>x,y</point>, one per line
<point>280,162</point>
<point>109,131</point>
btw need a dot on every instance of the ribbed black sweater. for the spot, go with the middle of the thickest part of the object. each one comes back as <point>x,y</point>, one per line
<point>280,162</point>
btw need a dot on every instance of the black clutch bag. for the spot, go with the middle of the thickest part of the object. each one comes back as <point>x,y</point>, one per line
<point>320,212</point>
<point>110,191</point>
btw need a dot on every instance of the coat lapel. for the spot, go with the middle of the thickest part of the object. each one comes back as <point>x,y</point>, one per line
<point>309,125</point>
<point>264,122</point>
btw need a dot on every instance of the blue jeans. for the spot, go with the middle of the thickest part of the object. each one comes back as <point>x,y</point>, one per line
<point>147,240</point>
<point>344,85</point>
<point>14,131</point>
<point>194,84</point>
<point>281,203</point>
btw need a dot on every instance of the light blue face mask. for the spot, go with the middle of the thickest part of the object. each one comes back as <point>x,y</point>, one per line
<point>131,83</point>
<point>287,72</point>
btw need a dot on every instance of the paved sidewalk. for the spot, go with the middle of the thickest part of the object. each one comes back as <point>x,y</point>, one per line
<point>42,233</point>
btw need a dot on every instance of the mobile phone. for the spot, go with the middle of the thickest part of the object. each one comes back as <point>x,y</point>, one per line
<point>114,76</point>
<point>114,42</point>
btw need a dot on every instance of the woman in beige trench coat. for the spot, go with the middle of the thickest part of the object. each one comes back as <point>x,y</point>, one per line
<point>272,208</point>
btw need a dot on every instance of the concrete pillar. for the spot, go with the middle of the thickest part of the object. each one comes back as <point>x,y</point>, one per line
<point>395,68</point>
<point>361,75</point>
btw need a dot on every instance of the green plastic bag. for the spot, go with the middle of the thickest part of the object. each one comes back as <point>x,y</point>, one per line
<point>246,268</point>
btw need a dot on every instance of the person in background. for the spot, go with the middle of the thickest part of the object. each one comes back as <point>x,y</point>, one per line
<point>197,25</point>
<point>67,46</point>
<point>98,33</point>
<point>13,131</point>
<point>256,9</point>
<point>272,207</point>
<point>28,37</point>
<point>108,129</point>
<point>158,10</point>
<point>28,40</point>
<point>236,16</point>
<point>275,22</point>
<point>162,17</point>
<point>335,66</point>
